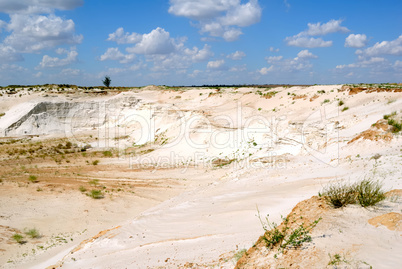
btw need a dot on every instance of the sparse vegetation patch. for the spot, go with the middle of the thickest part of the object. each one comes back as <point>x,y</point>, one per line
<point>365,193</point>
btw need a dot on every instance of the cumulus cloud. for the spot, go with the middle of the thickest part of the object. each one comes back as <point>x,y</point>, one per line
<point>305,39</point>
<point>9,54</point>
<point>200,9</point>
<point>398,64</point>
<point>240,68</point>
<point>120,37</point>
<point>218,64</point>
<point>219,18</point>
<point>393,47</point>
<point>305,54</point>
<point>356,41</point>
<point>272,49</point>
<point>232,34</point>
<point>237,55</point>
<point>32,33</point>
<point>3,24</point>
<point>279,64</point>
<point>52,62</point>
<point>158,41</point>
<point>272,59</point>
<point>166,53</point>
<point>114,54</point>
<point>33,27</point>
<point>266,70</point>
<point>364,63</point>
<point>243,15</point>
<point>375,58</point>
<point>307,42</point>
<point>181,59</point>
<point>199,55</point>
<point>37,6</point>
<point>333,26</point>
<point>68,72</point>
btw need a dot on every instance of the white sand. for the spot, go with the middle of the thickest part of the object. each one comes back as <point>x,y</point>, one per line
<point>212,212</point>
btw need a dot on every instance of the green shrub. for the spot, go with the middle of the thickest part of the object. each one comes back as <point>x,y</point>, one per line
<point>285,237</point>
<point>95,194</point>
<point>396,126</point>
<point>369,192</point>
<point>107,153</point>
<point>365,193</point>
<point>68,145</point>
<point>341,103</point>
<point>336,259</point>
<point>82,189</point>
<point>33,179</point>
<point>95,162</point>
<point>19,239</point>
<point>326,101</point>
<point>339,194</point>
<point>33,233</point>
<point>345,108</point>
<point>387,116</point>
<point>94,182</point>
<point>239,254</point>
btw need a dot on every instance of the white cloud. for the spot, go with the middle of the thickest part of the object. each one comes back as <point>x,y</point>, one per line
<point>304,39</point>
<point>216,64</point>
<point>265,70</point>
<point>158,41</point>
<point>279,64</point>
<point>393,47</point>
<point>52,62</point>
<point>11,67</point>
<point>9,54</point>
<point>3,24</point>
<point>398,64</point>
<point>232,34</point>
<point>272,59</point>
<point>237,55</point>
<point>219,18</point>
<point>37,6</point>
<point>200,9</point>
<point>333,26</point>
<point>199,55</point>
<point>363,63</point>
<point>305,54</point>
<point>166,53</point>
<point>120,37</point>
<point>307,42</point>
<point>32,33</point>
<point>240,68</point>
<point>377,59</point>
<point>356,41</point>
<point>70,72</point>
<point>272,49</point>
<point>243,15</point>
<point>114,54</point>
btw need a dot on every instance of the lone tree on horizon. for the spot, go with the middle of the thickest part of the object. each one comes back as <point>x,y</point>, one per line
<point>107,81</point>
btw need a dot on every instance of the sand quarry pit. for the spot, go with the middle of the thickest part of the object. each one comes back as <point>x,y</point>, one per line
<point>160,177</point>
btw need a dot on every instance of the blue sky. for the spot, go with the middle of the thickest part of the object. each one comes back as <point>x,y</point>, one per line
<point>196,42</point>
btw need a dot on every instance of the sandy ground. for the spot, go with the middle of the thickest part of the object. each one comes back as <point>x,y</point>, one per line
<point>197,163</point>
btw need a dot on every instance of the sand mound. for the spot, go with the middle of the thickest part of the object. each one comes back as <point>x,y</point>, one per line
<point>338,238</point>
